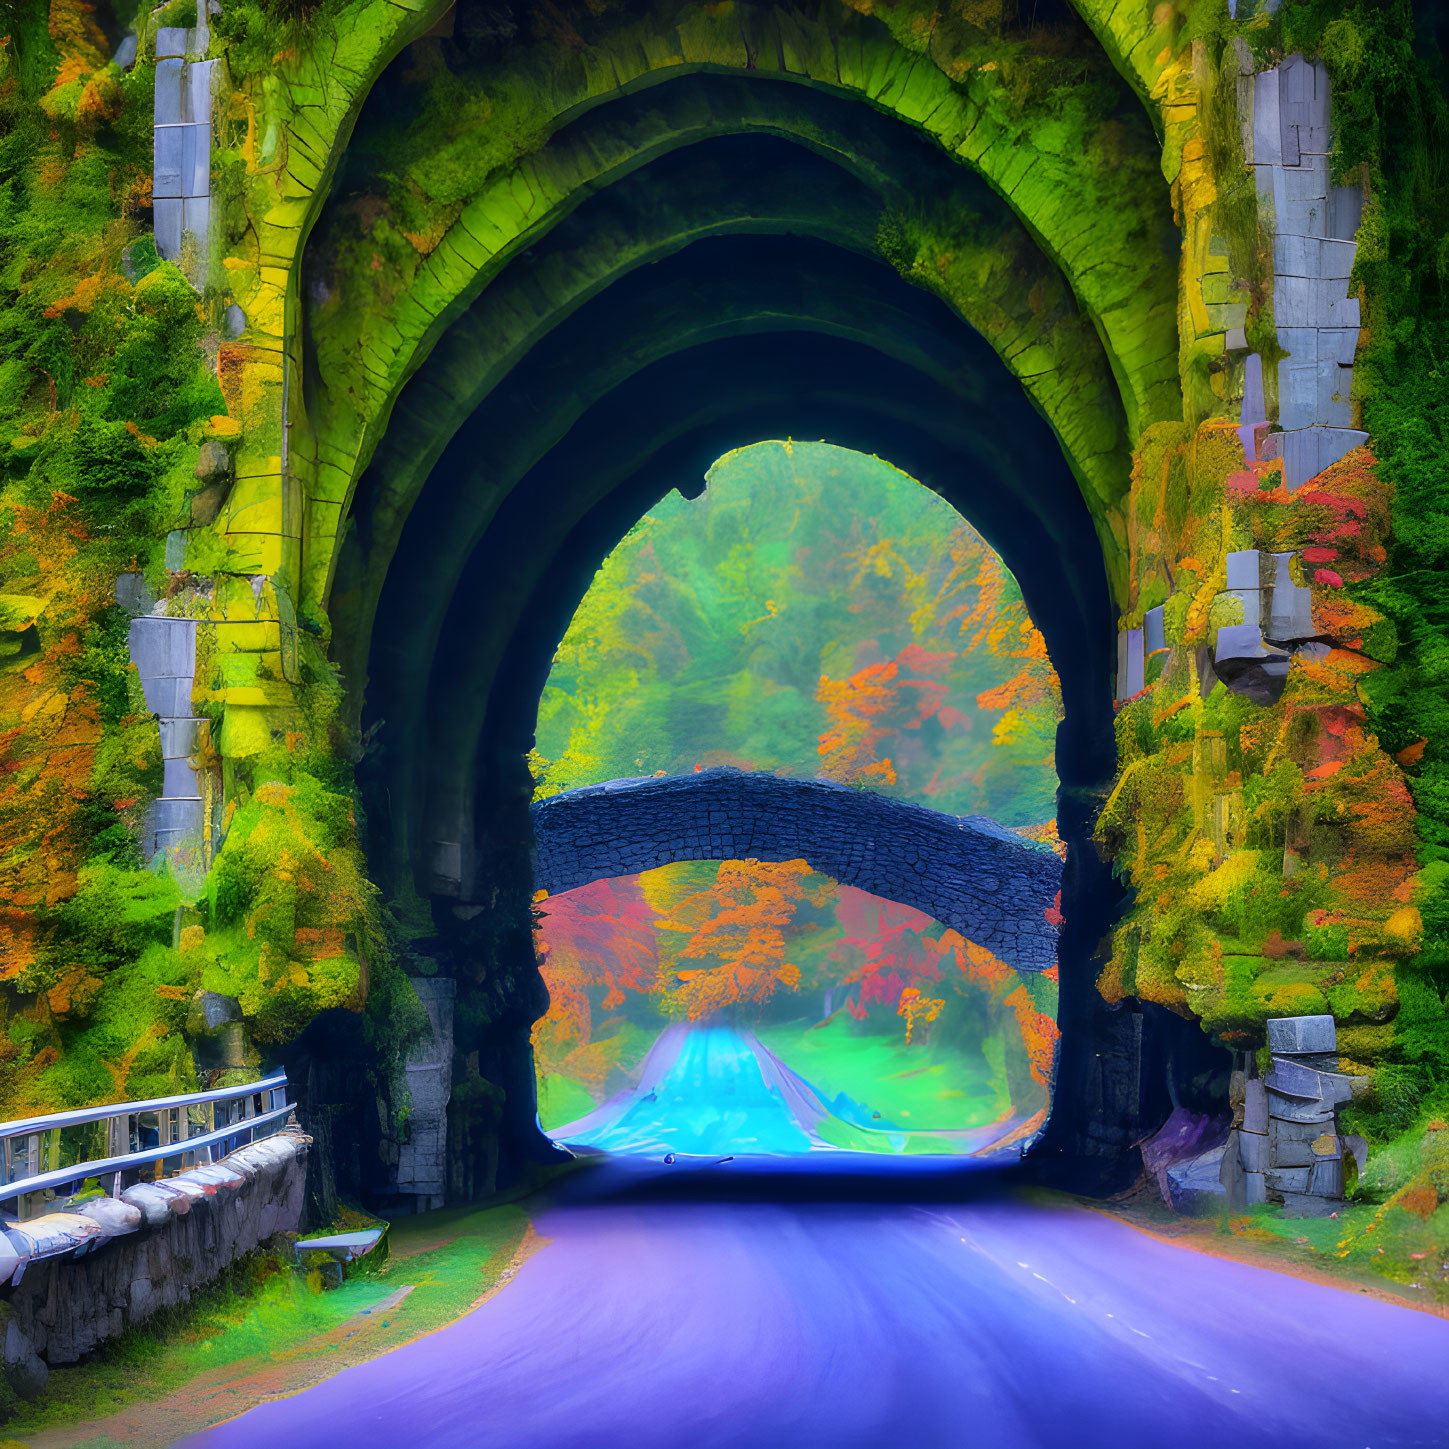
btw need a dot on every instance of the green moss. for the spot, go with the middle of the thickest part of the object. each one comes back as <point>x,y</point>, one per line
<point>180,13</point>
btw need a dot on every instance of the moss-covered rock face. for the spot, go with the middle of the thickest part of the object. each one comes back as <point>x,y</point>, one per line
<point>1271,847</point>
<point>487,281</point>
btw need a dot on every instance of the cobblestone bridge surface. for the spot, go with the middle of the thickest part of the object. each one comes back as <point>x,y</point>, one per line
<point>966,871</point>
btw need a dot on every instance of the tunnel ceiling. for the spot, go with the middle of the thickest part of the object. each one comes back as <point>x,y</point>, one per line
<point>518,338</point>
<point>458,164</point>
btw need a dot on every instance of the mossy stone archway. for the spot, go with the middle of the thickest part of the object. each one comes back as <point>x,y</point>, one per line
<point>851,178</point>
<point>1082,178</point>
<point>715,227</point>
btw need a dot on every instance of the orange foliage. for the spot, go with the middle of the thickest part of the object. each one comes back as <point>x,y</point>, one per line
<point>913,1005</point>
<point>739,922</point>
<point>860,709</point>
<point>1038,1031</point>
<point>975,962</point>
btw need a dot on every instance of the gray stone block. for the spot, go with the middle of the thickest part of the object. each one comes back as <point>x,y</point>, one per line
<point>125,56</point>
<point>168,695</point>
<point>1315,257</point>
<point>1154,632</point>
<point>1319,1061</point>
<point>178,780</point>
<point>1293,1079</point>
<point>1300,1110</point>
<point>1288,1035</point>
<point>1345,211</point>
<point>1290,605</point>
<point>1334,405</point>
<point>170,75</point>
<point>180,738</point>
<point>1257,1188</point>
<point>1232,1176</point>
<point>1293,1154</point>
<point>167,162</point>
<point>1253,1149</point>
<point>196,93</point>
<point>1287,1179</point>
<point>1255,1106</point>
<point>1300,343</point>
<point>133,596</point>
<point>1297,394</point>
<point>169,817</point>
<point>1313,302</point>
<point>171,40</point>
<point>210,1009</point>
<point>195,161</point>
<point>1239,641</point>
<point>166,224</point>
<point>1243,569</point>
<point>1267,122</point>
<point>1309,1130</point>
<point>1134,680</point>
<point>1300,199</point>
<point>161,646</point>
<point>1308,451</point>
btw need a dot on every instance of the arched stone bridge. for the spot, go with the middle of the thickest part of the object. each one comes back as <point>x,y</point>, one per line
<point>966,871</point>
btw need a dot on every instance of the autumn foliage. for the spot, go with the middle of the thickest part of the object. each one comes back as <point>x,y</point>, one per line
<point>738,926</point>
<point>695,940</point>
<point>815,612</point>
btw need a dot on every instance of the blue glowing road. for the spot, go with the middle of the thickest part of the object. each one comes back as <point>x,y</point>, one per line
<point>711,1091</point>
<point>745,1312</point>
<point>703,1092</point>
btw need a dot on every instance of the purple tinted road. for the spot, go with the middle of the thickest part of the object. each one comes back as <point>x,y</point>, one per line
<point>991,1325</point>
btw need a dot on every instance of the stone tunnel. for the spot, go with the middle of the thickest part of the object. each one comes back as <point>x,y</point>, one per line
<point>967,872</point>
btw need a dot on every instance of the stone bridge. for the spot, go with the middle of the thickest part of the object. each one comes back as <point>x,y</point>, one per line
<point>966,871</point>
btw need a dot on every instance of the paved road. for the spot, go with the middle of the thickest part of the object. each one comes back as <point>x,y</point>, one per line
<point>724,1308</point>
<point>989,1325</point>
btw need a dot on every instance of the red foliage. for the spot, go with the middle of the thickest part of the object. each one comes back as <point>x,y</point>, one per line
<point>599,935</point>
<point>883,948</point>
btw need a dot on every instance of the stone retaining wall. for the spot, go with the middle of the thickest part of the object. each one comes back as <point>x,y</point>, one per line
<point>63,1307</point>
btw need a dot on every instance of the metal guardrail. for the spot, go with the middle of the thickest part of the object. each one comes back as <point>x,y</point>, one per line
<point>137,1141</point>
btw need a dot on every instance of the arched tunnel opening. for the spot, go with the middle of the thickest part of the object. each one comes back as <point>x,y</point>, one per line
<point>732,258</point>
<point>770,1004</point>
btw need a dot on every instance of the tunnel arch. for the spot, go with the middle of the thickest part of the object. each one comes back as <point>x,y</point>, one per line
<point>1141,299</point>
<point>445,616</point>
<point>1029,318</point>
<point>1050,523</point>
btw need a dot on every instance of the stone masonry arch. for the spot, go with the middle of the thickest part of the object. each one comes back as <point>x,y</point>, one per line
<point>969,873</point>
